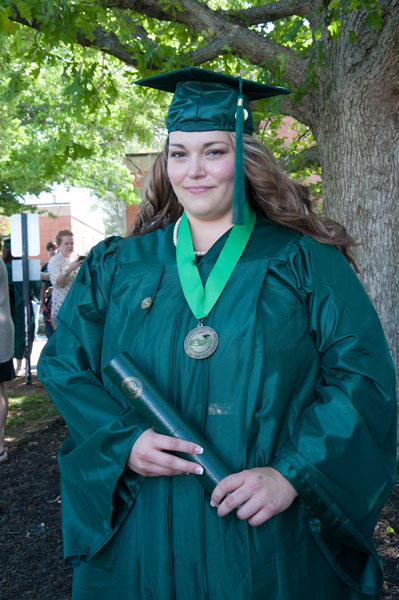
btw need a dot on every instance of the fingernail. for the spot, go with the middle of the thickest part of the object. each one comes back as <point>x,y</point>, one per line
<point>198,470</point>
<point>198,450</point>
<point>212,504</point>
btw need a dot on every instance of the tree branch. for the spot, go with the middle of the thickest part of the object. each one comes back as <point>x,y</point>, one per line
<point>105,41</point>
<point>307,158</point>
<point>209,52</point>
<point>108,43</point>
<point>268,12</point>
<point>245,42</point>
<point>211,25</point>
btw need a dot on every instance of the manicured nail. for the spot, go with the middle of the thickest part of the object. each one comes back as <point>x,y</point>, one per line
<point>198,450</point>
<point>212,504</point>
<point>198,470</point>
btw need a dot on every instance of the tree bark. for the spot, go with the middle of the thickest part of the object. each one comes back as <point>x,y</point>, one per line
<point>357,130</point>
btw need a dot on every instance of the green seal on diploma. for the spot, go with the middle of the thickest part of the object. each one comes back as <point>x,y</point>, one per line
<point>132,387</point>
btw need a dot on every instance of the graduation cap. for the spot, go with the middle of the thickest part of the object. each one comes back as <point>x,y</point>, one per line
<point>207,101</point>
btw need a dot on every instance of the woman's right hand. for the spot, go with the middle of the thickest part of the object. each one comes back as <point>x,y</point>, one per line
<point>150,456</point>
<point>73,266</point>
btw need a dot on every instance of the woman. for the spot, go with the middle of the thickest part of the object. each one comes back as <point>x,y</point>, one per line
<point>6,355</point>
<point>62,269</point>
<point>17,309</point>
<point>295,391</point>
<point>46,290</point>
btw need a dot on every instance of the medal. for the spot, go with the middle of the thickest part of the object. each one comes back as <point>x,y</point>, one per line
<point>202,341</point>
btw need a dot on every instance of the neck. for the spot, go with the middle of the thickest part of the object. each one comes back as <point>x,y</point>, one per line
<point>205,233</point>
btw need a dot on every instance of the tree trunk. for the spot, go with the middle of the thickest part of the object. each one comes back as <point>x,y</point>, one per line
<point>358,138</point>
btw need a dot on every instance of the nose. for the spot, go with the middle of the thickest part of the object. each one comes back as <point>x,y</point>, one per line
<point>196,168</point>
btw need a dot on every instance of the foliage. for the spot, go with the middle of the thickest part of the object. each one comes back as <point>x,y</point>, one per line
<point>59,116</point>
<point>66,94</point>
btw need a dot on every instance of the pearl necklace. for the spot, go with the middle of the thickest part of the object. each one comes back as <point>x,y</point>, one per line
<point>175,230</point>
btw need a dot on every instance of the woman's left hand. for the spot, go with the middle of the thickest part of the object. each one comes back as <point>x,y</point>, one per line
<point>258,494</point>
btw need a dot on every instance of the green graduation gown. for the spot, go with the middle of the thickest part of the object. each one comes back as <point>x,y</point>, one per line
<point>301,381</point>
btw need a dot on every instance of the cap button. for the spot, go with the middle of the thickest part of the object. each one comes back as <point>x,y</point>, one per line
<point>146,303</point>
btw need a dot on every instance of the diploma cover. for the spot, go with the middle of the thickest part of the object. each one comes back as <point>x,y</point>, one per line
<point>163,416</point>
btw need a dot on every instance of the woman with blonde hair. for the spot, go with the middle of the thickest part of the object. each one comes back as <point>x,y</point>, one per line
<point>240,304</point>
<point>62,269</point>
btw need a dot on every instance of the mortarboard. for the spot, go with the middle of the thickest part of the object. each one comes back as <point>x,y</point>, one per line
<point>207,101</point>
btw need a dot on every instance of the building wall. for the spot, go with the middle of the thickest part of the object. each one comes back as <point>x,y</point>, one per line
<point>85,236</point>
<point>66,217</point>
<point>49,226</point>
<point>131,212</point>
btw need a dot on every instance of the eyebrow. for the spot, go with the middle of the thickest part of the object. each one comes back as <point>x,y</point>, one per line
<point>206,145</point>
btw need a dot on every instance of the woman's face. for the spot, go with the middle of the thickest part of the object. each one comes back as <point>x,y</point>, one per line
<point>201,171</point>
<point>66,247</point>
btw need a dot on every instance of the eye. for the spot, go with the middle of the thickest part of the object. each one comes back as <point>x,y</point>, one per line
<point>177,154</point>
<point>216,152</point>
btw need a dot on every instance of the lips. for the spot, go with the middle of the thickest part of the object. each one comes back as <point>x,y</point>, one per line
<point>198,189</point>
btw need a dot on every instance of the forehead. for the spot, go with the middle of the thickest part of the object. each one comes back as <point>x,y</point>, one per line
<point>199,137</point>
<point>67,239</point>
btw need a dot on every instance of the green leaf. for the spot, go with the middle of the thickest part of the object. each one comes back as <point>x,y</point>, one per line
<point>334,4</point>
<point>6,24</point>
<point>317,33</point>
<point>374,20</point>
<point>390,530</point>
<point>335,29</point>
<point>24,10</point>
<point>352,37</point>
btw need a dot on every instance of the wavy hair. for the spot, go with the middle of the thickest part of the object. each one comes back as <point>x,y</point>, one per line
<point>271,192</point>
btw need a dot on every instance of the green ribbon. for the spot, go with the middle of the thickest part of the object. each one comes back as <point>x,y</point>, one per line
<point>240,188</point>
<point>201,300</point>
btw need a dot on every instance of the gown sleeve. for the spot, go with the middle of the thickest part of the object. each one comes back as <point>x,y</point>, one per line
<point>97,488</point>
<point>341,457</point>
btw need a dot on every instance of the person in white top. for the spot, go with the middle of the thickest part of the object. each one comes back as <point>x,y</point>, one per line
<point>7,372</point>
<point>62,268</point>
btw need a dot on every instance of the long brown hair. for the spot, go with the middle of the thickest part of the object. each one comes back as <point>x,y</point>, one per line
<point>271,192</point>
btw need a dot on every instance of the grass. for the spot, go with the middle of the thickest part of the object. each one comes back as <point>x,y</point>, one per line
<point>26,408</point>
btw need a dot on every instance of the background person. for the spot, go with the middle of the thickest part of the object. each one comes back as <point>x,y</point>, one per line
<point>7,372</point>
<point>46,291</point>
<point>296,393</point>
<point>62,269</point>
<point>17,308</point>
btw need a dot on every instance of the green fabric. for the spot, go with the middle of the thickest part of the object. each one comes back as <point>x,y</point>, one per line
<point>240,181</point>
<point>207,101</point>
<point>301,380</point>
<point>202,298</point>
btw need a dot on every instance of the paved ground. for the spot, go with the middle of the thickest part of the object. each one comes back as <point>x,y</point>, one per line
<point>38,345</point>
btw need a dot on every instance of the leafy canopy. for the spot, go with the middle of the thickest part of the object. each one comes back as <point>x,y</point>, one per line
<point>69,110</point>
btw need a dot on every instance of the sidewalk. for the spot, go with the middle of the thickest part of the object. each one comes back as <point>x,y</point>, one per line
<point>38,344</point>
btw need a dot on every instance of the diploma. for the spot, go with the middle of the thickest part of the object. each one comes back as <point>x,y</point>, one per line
<point>163,416</point>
